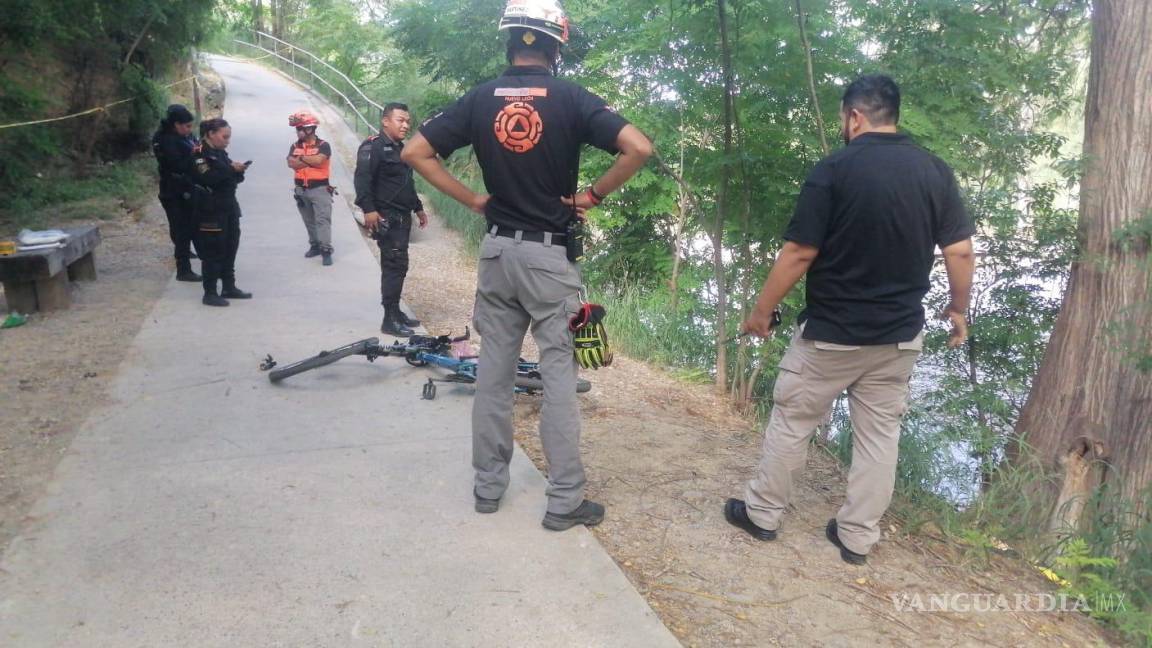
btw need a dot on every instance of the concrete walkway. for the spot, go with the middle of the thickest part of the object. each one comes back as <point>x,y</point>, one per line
<point>206,507</point>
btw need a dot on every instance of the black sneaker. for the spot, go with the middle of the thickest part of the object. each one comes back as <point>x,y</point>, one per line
<point>312,252</point>
<point>589,513</point>
<point>188,275</point>
<point>485,505</point>
<point>736,512</point>
<point>214,300</point>
<point>849,556</point>
<point>235,293</point>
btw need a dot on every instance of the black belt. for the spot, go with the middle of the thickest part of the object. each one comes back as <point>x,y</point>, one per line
<point>308,184</point>
<point>535,237</point>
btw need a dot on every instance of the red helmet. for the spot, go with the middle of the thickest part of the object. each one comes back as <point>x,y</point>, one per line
<point>303,118</point>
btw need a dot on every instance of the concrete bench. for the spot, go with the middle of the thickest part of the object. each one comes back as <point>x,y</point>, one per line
<point>38,279</point>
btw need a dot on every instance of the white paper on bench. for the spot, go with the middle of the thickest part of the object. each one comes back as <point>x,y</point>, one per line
<point>42,237</point>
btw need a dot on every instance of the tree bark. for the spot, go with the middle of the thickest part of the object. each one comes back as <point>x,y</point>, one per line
<point>800,22</point>
<point>257,15</point>
<point>717,234</point>
<point>678,233</point>
<point>1089,392</point>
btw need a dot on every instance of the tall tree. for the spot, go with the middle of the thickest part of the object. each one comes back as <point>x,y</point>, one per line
<point>1093,396</point>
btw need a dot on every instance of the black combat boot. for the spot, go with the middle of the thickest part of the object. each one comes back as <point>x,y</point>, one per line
<point>212,299</point>
<point>393,325</point>
<point>184,271</point>
<point>314,250</point>
<point>232,292</point>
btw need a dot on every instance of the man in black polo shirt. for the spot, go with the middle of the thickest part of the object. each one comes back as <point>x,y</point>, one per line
<point>527,128</point>
<point>866,225</point>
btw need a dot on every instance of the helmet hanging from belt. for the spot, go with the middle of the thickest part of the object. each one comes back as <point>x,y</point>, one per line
<point>589,337</point>
<point>543,16</point>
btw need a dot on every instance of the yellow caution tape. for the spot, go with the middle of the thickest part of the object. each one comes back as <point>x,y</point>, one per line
<point>90,111</point>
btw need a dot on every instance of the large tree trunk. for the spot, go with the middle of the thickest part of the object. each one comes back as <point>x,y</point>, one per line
<point>1089,394</point>
<point>257,15</point>
<point>722,196</point>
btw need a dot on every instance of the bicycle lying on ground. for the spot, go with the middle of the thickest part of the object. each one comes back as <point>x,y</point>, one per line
<point>418,351</point>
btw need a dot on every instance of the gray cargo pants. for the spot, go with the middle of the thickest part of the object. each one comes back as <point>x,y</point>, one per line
<point>315,207</point>
<point>812,375</point>
<point>522,283</point>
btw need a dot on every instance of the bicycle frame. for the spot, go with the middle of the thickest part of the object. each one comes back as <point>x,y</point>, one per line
<point>418,351</point>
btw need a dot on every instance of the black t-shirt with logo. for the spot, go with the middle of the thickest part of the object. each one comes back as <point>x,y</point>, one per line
<point>527,128</point>
<point>876,209</point>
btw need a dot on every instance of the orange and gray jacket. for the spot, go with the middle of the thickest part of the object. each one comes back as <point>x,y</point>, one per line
<point>310,176</point>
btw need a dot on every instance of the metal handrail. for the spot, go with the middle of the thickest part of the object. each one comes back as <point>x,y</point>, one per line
<point>325,64</point>
<point>292,62</point>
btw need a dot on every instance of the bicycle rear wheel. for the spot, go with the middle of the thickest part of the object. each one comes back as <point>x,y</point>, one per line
<point>321,359</point>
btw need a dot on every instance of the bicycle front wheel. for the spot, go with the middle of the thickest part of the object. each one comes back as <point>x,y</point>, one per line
<point>321,359</point>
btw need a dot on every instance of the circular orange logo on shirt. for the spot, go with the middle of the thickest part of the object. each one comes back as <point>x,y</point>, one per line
<point>519,127</point>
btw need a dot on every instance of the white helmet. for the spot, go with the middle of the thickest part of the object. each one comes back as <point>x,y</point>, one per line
<point>544,16</point>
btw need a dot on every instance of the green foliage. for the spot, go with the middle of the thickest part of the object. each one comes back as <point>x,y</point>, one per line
<point>102,193</point>
<point>59,57</point>
<point>149,105</point>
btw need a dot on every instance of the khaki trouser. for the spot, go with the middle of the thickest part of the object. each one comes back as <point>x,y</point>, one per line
<point>521,283</point>
<point>812,375</point>
<point>315,207</point>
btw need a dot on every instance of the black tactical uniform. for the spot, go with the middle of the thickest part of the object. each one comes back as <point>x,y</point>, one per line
<point>384,184</point>
<point>218,220</point>
<point>174,157</point>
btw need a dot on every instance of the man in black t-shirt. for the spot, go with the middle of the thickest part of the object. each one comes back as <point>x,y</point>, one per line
<point>527,128</point>
<point>866,225</point>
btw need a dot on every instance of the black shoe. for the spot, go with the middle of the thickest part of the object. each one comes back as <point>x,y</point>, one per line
<point>188,275</point>
<point>589,513</point>
<point>327,260</point>
<point>391,326</point>
<point>214,300</point>
<point>407,321</point>
<point>485,505</point>
<point>312,252</point>
<point>849,556</point>
<point>235,293</point>
<point>736,512</point>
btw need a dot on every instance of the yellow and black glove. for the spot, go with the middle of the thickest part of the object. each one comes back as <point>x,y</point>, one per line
<point>590,339</point>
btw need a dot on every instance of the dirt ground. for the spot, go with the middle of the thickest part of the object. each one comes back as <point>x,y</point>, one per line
<point>56,368</point>
<point>663,455</point>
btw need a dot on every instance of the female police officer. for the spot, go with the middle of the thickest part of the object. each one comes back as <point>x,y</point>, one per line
<point>217,212</point>
<point>172,145</point>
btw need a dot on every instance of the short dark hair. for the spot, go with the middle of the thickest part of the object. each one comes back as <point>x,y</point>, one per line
<point>209,126</point>
<point>541,44</point>
<point>391,107</point>
<point>876,96</point>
